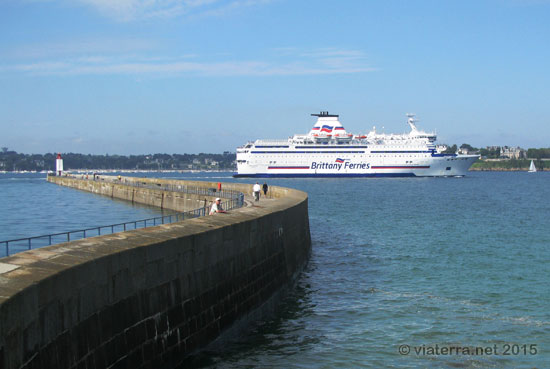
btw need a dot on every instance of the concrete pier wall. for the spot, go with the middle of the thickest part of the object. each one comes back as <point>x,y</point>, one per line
<point>147,298</point>
<point>109,186</point>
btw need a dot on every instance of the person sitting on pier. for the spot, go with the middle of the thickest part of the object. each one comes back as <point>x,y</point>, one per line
<point>217,207</point>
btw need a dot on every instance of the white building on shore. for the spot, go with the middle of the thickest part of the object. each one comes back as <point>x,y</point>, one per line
<point>512,152</point>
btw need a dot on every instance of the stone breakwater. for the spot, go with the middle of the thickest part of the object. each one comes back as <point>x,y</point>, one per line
<point>147,298</point>
<point>127,188</point>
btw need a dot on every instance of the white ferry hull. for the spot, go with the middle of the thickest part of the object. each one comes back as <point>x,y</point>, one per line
<point>438,165</point>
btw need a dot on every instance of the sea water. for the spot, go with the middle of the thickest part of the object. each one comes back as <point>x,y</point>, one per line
<point>404,273</point>
<point>30,206</point>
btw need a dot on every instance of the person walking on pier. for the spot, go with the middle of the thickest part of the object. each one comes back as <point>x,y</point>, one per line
<point>217,207</point>
<point>256,189</point>
<point>265,187</point>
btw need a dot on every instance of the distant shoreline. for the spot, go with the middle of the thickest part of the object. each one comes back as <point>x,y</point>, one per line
<point>473,169</point>
<point>509,165</point>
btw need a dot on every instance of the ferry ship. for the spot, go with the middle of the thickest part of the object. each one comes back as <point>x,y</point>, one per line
<point>328,150</point>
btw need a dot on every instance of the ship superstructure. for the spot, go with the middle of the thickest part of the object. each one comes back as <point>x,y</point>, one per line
<point>328,150</point>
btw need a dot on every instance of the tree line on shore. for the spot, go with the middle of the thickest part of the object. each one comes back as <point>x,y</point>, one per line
<point>539,153</point>
<point>13,161</point>
<point>509,165</point>
<point>494,152</point>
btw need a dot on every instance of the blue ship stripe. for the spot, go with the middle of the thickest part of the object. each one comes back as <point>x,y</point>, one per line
<point>442,155</point>
<point>401,152</point>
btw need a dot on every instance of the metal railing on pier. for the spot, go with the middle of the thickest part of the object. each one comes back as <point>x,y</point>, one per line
<point>228,194</point>
<point>10,247</point>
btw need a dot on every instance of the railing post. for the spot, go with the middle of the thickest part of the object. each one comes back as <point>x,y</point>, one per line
<point>29,243</point>
<point>7,249</point>
<point>50,237</point>
<point>68,236</point>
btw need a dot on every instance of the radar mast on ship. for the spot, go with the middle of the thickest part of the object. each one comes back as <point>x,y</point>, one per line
<point>411,119</point>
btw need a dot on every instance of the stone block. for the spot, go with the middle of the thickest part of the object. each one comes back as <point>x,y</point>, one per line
<point>149,352</point>
<point>175,315</point>
<point>105,317</point>
<point>136,335</point>
<point>100,357</point>
<point>120,347</point>
<point>110,352</point>
<point>48,356</point>
<point>150,329</point>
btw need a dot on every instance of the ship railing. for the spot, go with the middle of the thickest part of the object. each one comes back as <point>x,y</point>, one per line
<point>263,142</point>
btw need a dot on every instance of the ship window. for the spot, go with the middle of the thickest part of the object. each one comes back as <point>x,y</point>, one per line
<point>448,168</point>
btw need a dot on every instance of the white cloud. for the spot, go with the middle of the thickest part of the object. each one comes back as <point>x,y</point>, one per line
<point>83,48</point>
<point>306,63</point>
<point>135,10</point>
<point>231,6</point>
<point>127,10</point>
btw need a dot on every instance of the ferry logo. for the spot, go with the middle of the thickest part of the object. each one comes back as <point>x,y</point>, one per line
<point>340,164</point>
<point>327,129</point>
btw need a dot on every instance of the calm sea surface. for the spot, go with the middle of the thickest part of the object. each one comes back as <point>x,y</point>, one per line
<point>396,264</point>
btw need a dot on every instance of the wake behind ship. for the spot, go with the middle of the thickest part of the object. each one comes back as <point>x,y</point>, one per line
<point>329,151</point>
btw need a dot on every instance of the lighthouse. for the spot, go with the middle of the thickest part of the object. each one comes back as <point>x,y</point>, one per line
<point>59,164</point>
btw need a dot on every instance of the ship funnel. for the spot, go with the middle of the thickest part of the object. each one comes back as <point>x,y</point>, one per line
<point>327,126</point>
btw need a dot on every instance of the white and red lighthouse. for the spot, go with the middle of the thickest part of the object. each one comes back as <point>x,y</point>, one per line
<point>59,164</point>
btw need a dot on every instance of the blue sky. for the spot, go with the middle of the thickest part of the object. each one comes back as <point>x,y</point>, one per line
<point>189,76</point>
